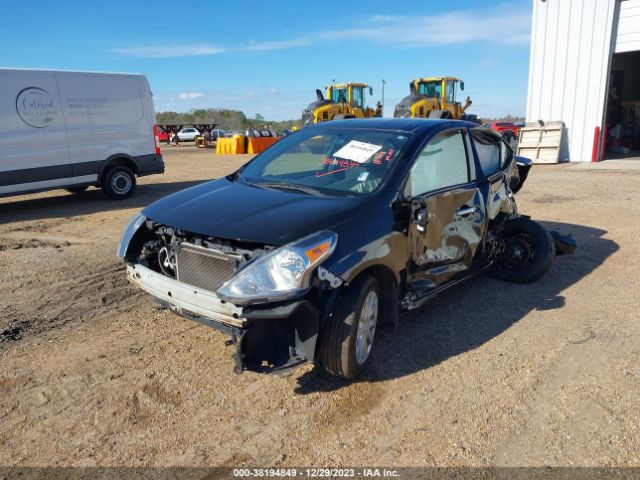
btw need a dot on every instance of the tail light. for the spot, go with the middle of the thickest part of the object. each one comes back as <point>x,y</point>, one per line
<point>155,139</point>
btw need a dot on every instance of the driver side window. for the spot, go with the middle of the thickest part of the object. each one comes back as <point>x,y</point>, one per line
<point>442,163</point>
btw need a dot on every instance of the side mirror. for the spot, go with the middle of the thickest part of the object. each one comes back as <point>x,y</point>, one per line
<point>419,214</point>
<point>370,90</point>
<point>461,86</point>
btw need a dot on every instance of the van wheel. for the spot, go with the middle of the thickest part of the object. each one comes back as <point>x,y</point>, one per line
<point>119,183</point>
<point>348,339</point>
<point>77,189</point>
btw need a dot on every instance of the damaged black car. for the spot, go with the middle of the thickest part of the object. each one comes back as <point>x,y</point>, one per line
<point>304,251</point>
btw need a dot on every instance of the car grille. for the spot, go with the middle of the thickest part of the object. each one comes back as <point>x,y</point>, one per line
<point>203,268</point>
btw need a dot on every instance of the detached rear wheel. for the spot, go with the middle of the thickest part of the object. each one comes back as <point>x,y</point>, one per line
<point>529,252</point>
<point>119,183</point>
<point>349,337</point>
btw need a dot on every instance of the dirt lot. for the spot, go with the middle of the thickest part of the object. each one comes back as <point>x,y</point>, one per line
<point>487,374</point>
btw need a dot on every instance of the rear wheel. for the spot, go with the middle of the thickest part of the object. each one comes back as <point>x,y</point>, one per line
<point>529,252</point>
<point>119,183</point>
<point>77,189</point>
<point>349,336</point>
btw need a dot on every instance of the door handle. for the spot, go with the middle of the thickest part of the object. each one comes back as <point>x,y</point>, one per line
<point>466,211</point>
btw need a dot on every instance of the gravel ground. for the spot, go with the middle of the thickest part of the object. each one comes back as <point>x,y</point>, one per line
<point>487,374</point>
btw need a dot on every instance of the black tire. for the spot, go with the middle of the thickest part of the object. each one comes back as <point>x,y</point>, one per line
<point>338,350</point>
<point>529,252</point>
<point>77,190</point>
<point>119,183</point>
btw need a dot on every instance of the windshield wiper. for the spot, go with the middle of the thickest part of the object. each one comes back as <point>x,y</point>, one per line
<point>290,186</point>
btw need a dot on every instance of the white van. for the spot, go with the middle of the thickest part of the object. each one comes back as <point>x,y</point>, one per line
<point>72,130</point>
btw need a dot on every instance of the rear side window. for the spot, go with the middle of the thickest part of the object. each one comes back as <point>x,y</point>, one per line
<point>489,148</point>
<point>507,153</point>
<point>441,164</point>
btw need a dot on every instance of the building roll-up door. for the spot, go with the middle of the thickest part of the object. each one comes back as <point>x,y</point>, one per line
<point>628,32</point>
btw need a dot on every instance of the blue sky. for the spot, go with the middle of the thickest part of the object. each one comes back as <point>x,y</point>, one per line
<point>269,57</point>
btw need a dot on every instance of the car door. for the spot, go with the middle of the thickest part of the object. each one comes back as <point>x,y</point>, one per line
<point>493,156</point>
<point>447,211</point>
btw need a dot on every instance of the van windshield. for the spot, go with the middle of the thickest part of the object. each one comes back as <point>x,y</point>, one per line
<point>351,162</point>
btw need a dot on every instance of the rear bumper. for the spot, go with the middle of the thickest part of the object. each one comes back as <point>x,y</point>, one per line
<point>270,338</point>
<point>149,164</point>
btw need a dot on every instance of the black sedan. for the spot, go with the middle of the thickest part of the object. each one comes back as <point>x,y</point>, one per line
<point>304,251</point>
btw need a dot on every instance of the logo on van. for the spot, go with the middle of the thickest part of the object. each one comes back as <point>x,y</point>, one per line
<point>35,107</point>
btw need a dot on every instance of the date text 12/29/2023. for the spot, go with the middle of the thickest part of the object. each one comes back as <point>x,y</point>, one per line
<point>314,472</point>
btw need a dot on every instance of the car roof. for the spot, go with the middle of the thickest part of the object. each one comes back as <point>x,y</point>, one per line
<point>403,124</point>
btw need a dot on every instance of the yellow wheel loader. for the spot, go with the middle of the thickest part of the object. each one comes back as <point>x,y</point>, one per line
<point>344,100</point>
<point>434,97</point>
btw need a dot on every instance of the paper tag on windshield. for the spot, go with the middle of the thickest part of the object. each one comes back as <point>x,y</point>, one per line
<point>363,176</point>
<point>357,151</point>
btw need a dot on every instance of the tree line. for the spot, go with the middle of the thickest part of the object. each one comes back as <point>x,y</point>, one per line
<point>237,120</point>
<point>225,119</point>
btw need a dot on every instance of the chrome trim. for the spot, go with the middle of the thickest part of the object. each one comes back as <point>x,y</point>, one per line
<point>133,225</point>
<point>182,296</point>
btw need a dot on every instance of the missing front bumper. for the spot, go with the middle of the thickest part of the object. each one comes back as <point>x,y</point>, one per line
<point>269,338</point>
<point>182,297</point>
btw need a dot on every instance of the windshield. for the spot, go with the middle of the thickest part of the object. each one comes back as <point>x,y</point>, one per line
<point>431,89</point>
<point>343,162</point>
<point>358,97</point>
<point>339,95</point>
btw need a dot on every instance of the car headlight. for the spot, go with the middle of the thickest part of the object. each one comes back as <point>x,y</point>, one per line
<point>282,273</point>
<point>132,227</point>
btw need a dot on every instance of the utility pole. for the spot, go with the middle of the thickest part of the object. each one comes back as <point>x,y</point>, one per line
<point>383,82</point>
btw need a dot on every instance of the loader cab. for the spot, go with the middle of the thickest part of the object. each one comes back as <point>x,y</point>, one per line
<point>351,93</point>
<point>338,95</point>
<point>430,89</point>
<point>444,88</point>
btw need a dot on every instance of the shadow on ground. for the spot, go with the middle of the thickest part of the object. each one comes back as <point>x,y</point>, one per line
<point>470,314</point>
<point>86,203</point>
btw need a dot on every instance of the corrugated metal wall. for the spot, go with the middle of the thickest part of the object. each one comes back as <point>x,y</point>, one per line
<point>570,54</point>
<point>628,31</point>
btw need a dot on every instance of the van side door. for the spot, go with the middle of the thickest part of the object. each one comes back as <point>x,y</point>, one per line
<point>34,153</point>
<point>447,211</point>
<point>82,100</point>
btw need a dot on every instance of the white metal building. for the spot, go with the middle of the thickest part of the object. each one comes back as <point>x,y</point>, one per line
<point>585,71</point>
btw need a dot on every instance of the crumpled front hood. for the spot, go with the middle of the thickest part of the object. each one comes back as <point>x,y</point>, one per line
<point>234,211</point>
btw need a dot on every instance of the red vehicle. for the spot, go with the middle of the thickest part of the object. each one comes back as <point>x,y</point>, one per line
<point>162,136</point>
<point>509,130</point>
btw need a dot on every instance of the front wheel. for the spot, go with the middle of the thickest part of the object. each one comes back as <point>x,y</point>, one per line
<point>529,252</point>
<point>119,183</point>
<point>348,339</point>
